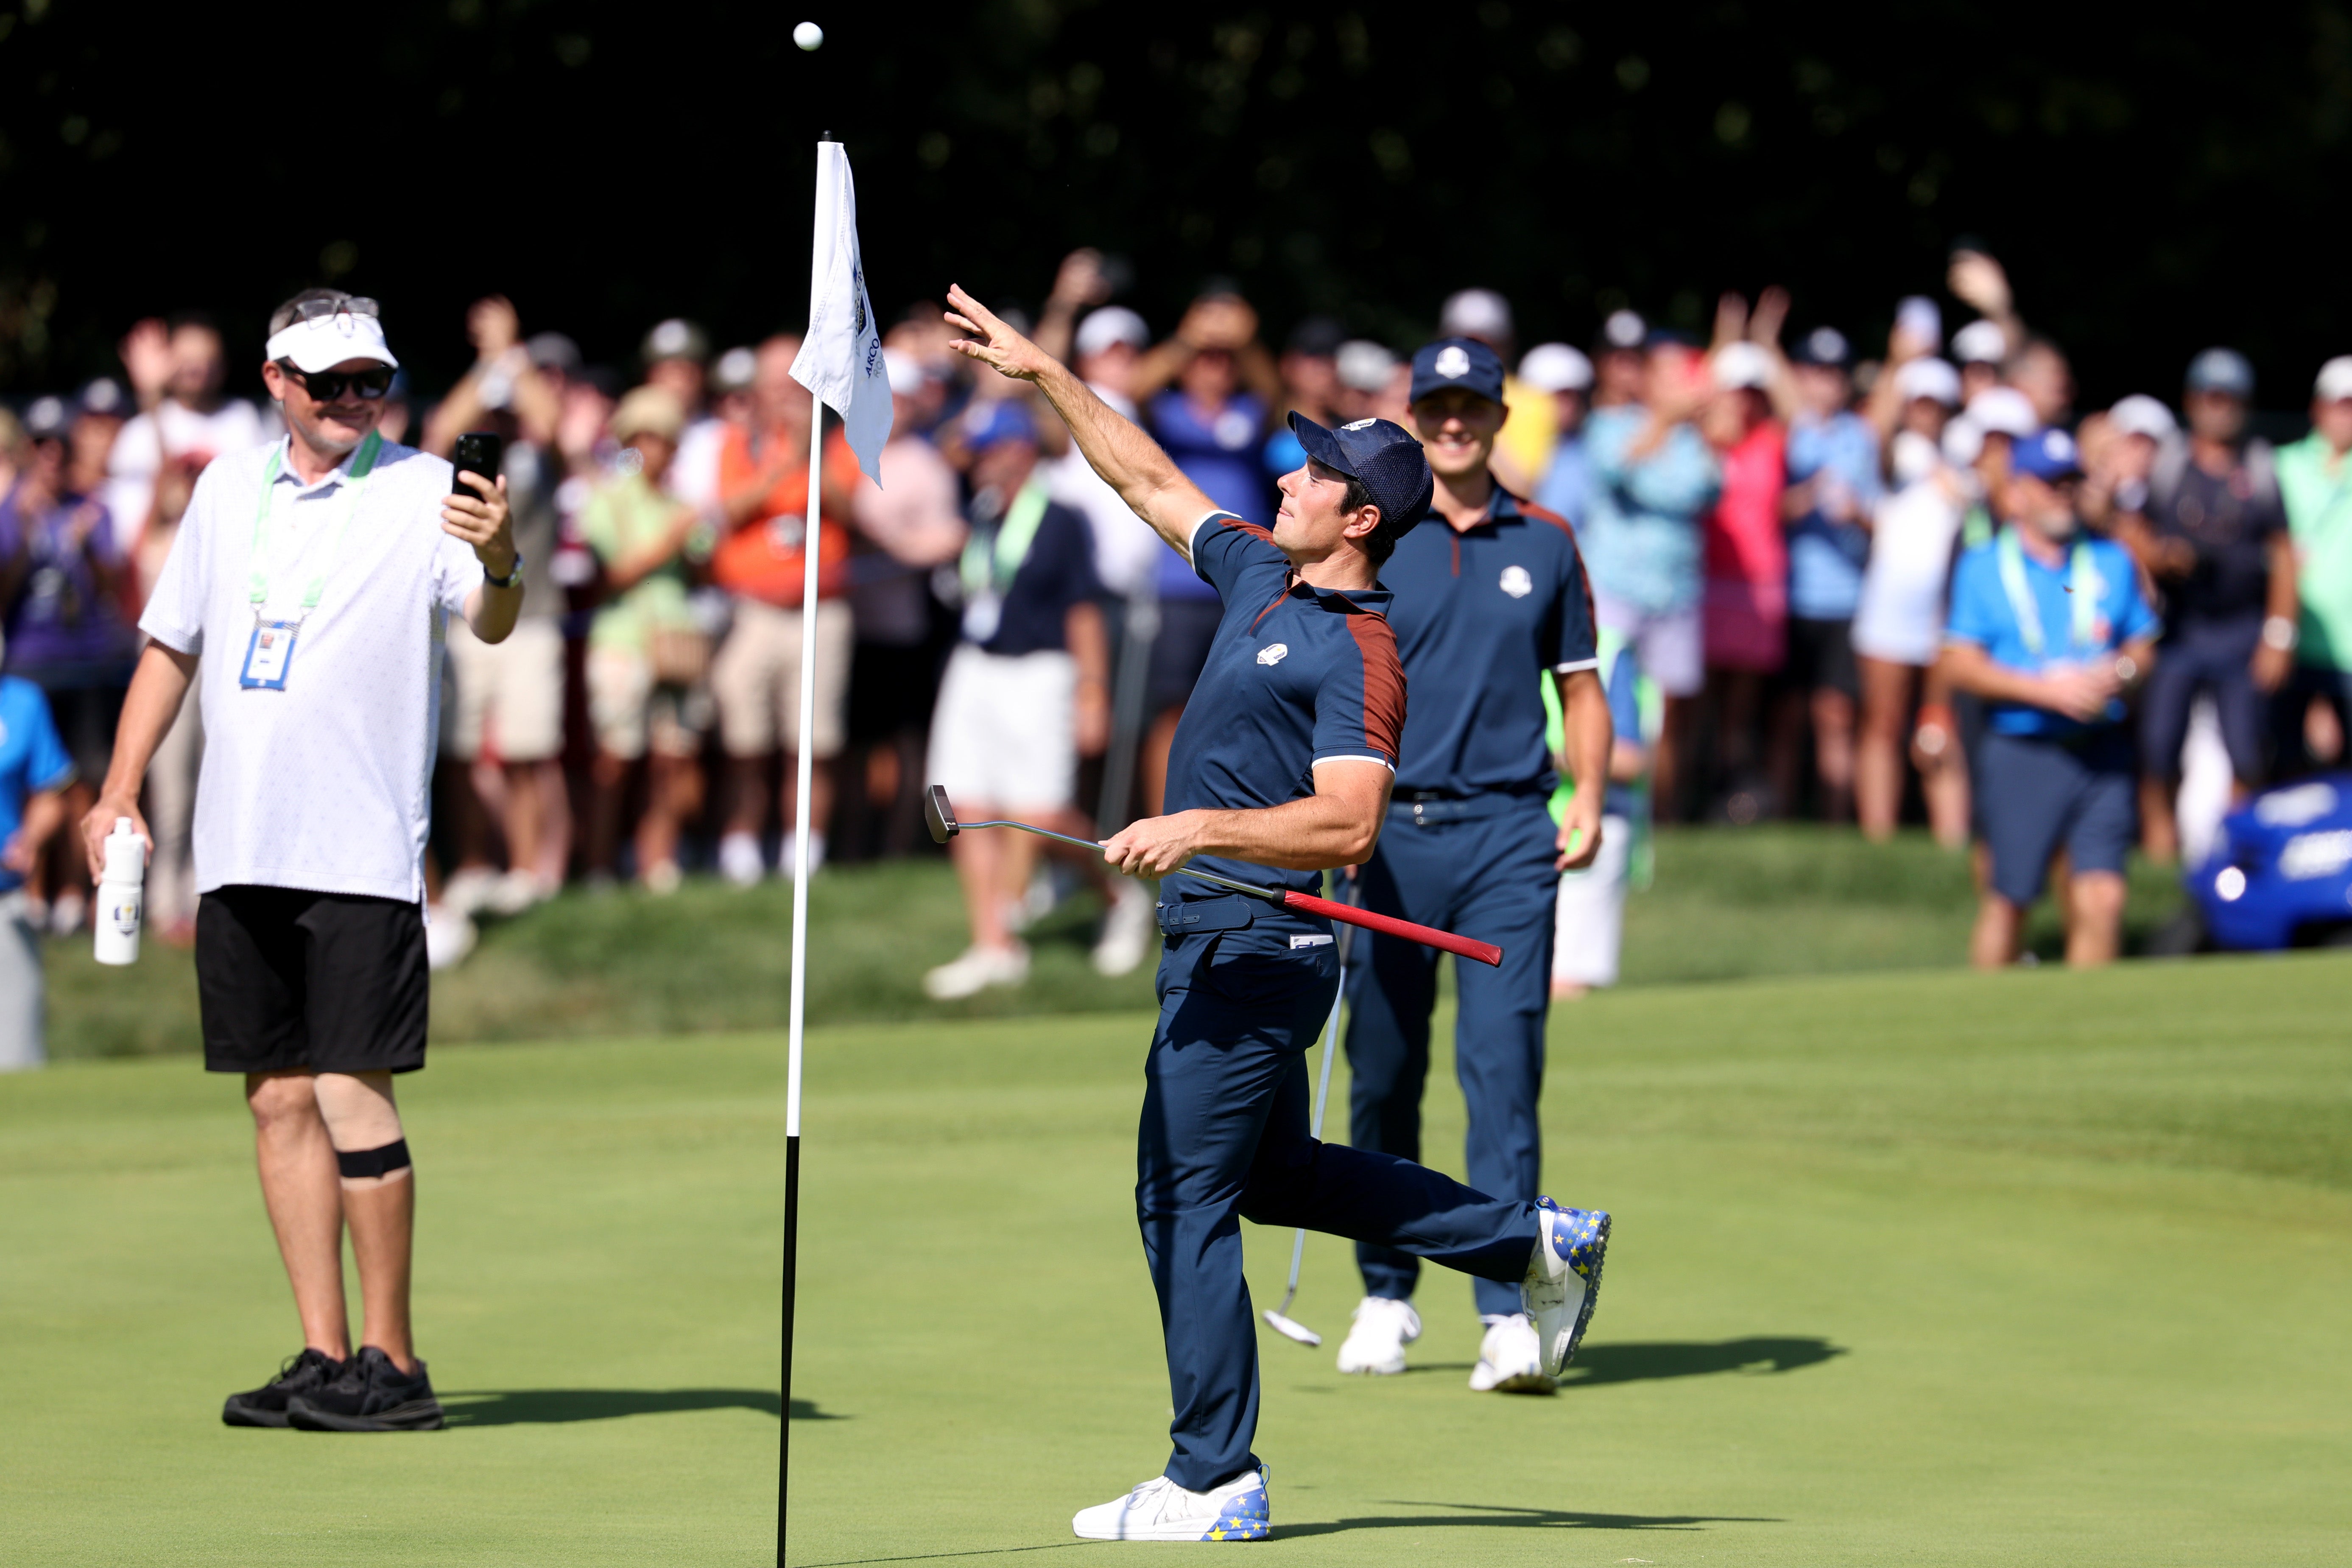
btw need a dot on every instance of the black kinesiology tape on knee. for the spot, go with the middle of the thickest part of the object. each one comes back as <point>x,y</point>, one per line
<point>383,1161</point>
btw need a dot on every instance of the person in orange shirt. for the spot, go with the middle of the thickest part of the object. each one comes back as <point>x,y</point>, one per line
<point>756,676</point>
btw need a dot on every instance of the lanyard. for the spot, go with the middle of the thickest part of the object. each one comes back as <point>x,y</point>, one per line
<point>2083,585</point>
<point>257,582</point>
<point>993,557</point>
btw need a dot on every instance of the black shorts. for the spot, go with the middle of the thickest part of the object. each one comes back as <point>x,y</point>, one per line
<point>1187,627</point>
<point>329,982</point>
<point>1820,657</point>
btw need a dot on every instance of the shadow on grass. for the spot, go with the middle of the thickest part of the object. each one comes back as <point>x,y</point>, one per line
<point>1483,1516</point>
<point>555,1406</point>
<point>1646,1362</point>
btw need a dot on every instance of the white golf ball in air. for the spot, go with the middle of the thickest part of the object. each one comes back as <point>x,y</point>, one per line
<point>808,34</point>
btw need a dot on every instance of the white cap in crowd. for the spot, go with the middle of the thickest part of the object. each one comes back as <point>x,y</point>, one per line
<point>1741,365</point>
<point>1111,324</point>
<point>323,343</point>
<point>1556,367</point>
<point>1474,313</point>
<point>1930,378</point>
<point>2334,383</point>
<point>1364,365</point>
<point>905,372</point>
<point>2140,414</point>
<point>1624,329</point>
<point>1980,342</point>
<point>735,369</point>
<point>2003,411</point>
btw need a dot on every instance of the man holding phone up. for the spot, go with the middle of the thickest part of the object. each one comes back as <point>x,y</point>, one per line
<point>305,597</point>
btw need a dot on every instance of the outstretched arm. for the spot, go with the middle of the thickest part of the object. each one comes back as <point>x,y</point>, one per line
<point>1146,477</point>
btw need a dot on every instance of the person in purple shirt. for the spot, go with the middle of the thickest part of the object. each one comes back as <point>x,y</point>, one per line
<point>61,577</point>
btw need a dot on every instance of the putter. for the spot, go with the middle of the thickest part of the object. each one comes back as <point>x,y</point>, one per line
<point>939,815</point>
<point>1278,1319</point>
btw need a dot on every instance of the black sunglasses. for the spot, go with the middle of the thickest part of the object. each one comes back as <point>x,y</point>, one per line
<point>327,386</point>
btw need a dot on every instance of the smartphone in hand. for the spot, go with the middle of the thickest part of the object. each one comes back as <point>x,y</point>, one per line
<point>478,452</point>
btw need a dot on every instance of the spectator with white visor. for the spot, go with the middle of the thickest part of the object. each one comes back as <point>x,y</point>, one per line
<point>1026,693</point>
<point>306,595</point>
<point>2049,627</point>
<point>1899,617</point>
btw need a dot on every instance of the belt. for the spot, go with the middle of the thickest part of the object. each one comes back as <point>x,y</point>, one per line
<point>1428,807</point>
<point>1229,912</point>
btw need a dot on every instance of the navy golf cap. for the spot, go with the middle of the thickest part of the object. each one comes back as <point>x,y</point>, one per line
<point>2046,455</point>
<point>2224,370</point>
<point>1385,457</point>
<point>1457,362</point>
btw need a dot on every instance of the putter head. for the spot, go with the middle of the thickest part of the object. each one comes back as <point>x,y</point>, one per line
<point>938,814</point>
<point>1289,1329</point>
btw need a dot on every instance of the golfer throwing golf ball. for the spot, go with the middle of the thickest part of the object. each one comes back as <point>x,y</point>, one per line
<point>1280,770</point>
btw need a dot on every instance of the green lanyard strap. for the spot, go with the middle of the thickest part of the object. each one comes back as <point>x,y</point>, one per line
<point>992,558</point>
<point>2083,585</point>
<point>257,580</point>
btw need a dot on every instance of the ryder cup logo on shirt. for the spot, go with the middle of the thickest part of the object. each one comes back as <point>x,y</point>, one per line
<point>1452,363</point>
<point>1274,653</point>
<point>1516,583</point>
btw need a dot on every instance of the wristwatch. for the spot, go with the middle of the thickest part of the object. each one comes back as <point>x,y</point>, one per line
<point>2127,667</point>
<point>513,579</point>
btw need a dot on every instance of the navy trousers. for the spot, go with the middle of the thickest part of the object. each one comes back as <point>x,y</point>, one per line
<point>1223,1138</point>
<point>1480,866</point>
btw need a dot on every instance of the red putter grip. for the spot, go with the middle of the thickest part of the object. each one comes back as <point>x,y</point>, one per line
<point>1428,936</point>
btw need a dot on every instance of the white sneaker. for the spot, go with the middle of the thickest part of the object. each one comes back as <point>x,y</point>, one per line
<point>978,969</point>
<point>662,878</point>
<point>1160,1510</point>
<point>739,861</point>
<point>786,860</point>
<point>1376,1344</point>
<point>469,889</point>
<point>449,936</point>
<point>1126,929</point>
<point>514,892</point>
<point>1563,1278</point>
<point>1510,1358</point>
<point>68,912</point>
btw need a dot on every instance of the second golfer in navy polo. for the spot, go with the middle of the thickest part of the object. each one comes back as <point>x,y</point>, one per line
<point>1281,769</point>
<point>1490,602</point>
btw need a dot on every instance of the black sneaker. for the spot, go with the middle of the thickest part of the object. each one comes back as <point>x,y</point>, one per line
<point>370,1395</point>
<point>266,1405</point>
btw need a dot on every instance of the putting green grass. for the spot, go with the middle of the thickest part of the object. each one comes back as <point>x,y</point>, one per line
<point>1940,1268</point>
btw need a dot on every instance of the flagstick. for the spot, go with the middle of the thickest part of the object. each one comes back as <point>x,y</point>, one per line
<point>803,765</point>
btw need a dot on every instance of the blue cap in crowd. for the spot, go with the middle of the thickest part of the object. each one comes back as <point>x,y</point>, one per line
<point>1457,362</point>
<point>997,421</point>
<point>2224,370</point>
<point>1385,457</point>
<point>1823,346</point>
<point>2047,455</point>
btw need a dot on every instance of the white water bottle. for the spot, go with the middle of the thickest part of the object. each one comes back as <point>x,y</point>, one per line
<point>122,894</point>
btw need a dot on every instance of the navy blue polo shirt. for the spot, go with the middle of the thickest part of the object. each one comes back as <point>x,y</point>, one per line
<point>1478,616</point>
<point>1297,675</point>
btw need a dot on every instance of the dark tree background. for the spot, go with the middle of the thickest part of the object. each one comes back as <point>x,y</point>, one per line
<point>2156,178</point>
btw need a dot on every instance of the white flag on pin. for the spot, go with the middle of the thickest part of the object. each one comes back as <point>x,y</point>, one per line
<point>841,359</point>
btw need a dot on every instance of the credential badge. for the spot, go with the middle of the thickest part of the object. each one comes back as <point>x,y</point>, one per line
<point>1516,583</point>
<point>1274,653</point>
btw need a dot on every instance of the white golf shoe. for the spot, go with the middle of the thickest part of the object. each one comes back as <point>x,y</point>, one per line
<point>1127,928</point>
<point>1510,1358</point>
<point>978,969</point>
<point>1376,1344</point>
<point>1564,1278</point>
<point>1160,1510</point>
<point>739,860</point>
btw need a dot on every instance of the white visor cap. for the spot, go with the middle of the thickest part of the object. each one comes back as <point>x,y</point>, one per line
<point>323,343</point>
<point>2334,383</point>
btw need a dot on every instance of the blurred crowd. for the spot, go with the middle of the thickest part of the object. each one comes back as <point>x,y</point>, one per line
<point>1772,517</point>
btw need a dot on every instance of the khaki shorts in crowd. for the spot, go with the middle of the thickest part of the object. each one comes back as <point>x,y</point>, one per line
<point>756,677</point>
<point>631,713</point>
<point>510,692</point>
<point>1005,731</point>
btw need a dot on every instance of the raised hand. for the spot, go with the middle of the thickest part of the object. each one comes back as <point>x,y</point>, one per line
<point>1771,315</point>
<point>1980,280</point>
<point>1000,348</point>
